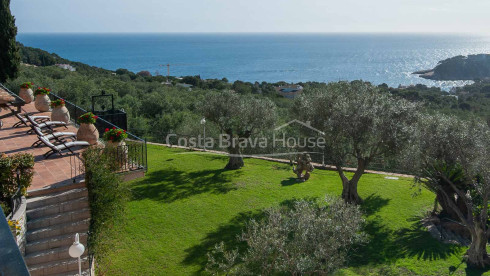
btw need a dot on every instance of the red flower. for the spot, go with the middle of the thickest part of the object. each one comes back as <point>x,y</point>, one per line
<point>96,117</point>
<point>106,130</point>
<point>113,127</point>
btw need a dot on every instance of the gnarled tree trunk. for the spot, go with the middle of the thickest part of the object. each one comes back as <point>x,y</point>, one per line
<point>446,206</point>
<point>476,256</point>
<point>349,192</point>
<point>236,160</point>
<point>349,187</point>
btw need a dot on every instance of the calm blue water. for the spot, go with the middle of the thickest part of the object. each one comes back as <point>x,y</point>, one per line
<point>267,57</point>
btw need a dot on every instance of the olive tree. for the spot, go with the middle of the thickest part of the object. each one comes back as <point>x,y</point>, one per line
<point>454,163</point>
<point>305,240</point>
<point>238,117</point>
<point>359,123</point>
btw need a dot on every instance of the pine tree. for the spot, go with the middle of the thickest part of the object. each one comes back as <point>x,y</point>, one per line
<point>9,51</point>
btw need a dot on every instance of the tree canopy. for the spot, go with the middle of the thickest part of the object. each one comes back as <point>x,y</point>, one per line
<point>9,51</point>
<point>359,124</point>
<point>453,155</point>
<point>238,117</point>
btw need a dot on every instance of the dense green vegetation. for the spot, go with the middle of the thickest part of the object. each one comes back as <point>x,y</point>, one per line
<point>9,51</point>
<point>154,109</point>
<point>471,67</point>
<point>107,203</point>
<point>187,203</point>
<point>16,172</point>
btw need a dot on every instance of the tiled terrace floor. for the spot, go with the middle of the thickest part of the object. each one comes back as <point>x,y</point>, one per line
<point>55,170</point>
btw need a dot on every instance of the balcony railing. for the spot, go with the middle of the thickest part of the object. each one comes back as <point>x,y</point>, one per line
<point>131,156</point>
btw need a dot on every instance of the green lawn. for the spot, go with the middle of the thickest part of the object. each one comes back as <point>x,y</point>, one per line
<point>187,203</point>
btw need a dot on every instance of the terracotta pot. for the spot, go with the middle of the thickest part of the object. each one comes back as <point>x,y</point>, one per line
<point>88,132</point>
<point>42,103</point>
<point>26,94</point>
<point>115,144</point>
<point>60,113</point>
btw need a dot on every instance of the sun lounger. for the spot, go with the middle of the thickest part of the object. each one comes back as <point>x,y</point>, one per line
<point>61,147</point>
<point>24,122</point>
<point>49,125</point>
<point>58,136</point>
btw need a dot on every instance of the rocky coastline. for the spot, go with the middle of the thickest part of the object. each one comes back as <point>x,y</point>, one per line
<point>471,67</point>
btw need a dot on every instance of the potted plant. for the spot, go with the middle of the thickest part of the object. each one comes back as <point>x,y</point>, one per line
<point>59,111</point>
<point>115,136</point>
<point>26,92</point>
<point>42,100</point>
<point>87,131</point>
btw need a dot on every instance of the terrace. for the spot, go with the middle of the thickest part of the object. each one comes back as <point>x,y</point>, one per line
<point>57,204</point>
<point>54,171</point>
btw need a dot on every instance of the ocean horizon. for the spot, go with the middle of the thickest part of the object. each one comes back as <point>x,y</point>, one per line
<point>272,57</point>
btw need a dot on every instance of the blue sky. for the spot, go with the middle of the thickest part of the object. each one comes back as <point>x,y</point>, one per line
<point>252,16</point>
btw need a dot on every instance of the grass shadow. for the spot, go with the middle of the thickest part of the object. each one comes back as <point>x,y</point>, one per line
<point>373,203</point>
<point>227,233</point>
<point>290,181</point>
<point>386,246</point>
<point>417,242</point>
<point>168,185</point>
<point>476,271</point>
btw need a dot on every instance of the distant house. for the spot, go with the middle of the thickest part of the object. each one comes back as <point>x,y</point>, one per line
<point>454,96</point>
<point>290,91</point>
<point>66,67</point>
<point>185,85</point>
<point>401,87</point>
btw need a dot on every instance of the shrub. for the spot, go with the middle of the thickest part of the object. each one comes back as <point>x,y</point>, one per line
<point>87,118</point>
<point>27,85</point>
<point>42,91</point>
<point>306,239</point>
<point>144,74</point>
<point>15,170</point>
<point>115,134</point>
<point>107,202</point>
<point>57,103</point>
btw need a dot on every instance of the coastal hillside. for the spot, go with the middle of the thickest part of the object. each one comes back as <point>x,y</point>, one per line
<point>472,67</point>
<point>156,104</point>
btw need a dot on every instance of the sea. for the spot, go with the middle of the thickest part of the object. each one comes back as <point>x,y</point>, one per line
<point>271,57</point>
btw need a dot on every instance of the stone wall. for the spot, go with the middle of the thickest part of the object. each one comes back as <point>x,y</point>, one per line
<point>21,217</point>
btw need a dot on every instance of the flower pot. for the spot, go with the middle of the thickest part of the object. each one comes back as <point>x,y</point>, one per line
<point>42,103</point>
<point>88,132</point>
<point>115,144</point>
<point>60,113</point>
<point>26,94</point>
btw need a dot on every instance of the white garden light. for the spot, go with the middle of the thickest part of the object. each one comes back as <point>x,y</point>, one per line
<point>203,123</point>
<point>76,250</point>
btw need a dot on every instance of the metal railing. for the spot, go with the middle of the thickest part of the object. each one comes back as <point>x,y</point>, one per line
<point>77,171</point>
<point>18,100</point>
<point>131,155</point>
